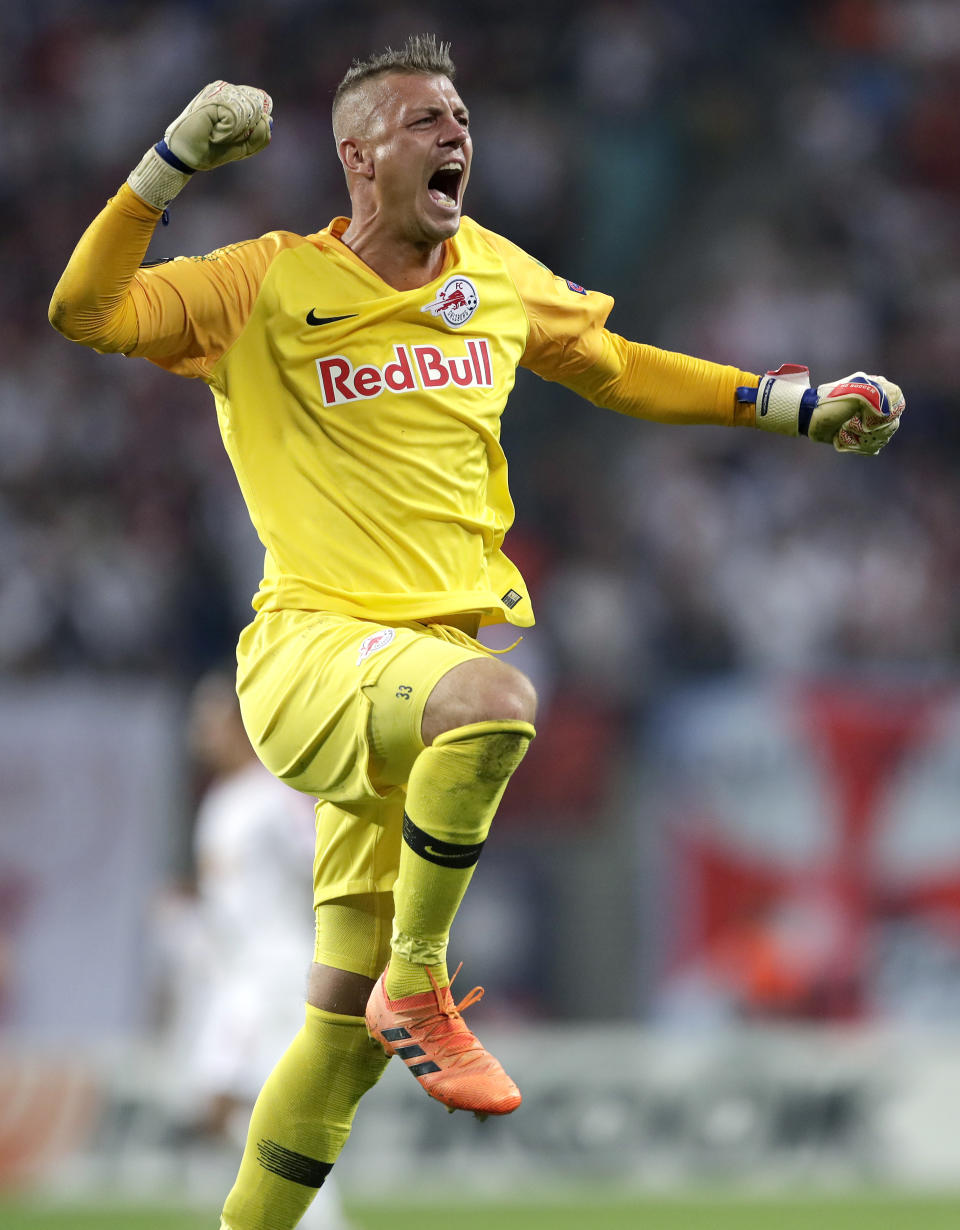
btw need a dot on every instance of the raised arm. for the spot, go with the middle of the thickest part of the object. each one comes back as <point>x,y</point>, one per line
<point>92,303</point>
<point>101,300</point>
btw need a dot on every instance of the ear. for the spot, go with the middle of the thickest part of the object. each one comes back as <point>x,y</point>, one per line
<point>354,159</point>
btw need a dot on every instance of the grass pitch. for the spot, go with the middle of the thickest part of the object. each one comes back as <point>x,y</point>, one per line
<point>875,1211</point>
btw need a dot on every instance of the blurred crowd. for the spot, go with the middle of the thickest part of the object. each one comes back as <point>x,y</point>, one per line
<point>754,183</point>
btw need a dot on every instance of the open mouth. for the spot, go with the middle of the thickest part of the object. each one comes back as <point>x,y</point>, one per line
<point>444,185</point>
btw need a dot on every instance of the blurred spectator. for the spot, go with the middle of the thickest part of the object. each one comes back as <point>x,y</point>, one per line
<point>239,955</point>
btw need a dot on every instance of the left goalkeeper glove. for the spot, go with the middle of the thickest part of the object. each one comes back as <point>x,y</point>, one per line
<point>858,414</point>
<point>222,123</point>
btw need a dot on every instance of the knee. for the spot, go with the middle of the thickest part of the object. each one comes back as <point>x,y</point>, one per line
<point>480,691</point>
<point>511,699</point>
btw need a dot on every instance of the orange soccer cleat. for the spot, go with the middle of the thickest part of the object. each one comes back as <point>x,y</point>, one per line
<point>429,1035</point>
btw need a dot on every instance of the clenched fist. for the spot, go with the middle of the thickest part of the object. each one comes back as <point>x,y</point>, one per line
<point>221,124</point>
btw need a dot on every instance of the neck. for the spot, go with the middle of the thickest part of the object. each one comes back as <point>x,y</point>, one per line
<point>401,263</point>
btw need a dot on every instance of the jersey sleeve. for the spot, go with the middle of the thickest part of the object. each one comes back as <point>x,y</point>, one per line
<point>91,303</point>
<point>183,314</point>
<point>568,342</point>
<point>191,309</point>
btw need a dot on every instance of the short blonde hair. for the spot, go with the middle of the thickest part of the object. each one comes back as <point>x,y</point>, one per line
<point>421,53</point>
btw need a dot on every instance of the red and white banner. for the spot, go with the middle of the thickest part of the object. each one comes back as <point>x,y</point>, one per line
<point>812,866</point>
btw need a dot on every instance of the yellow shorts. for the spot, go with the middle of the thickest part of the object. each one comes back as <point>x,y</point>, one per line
<point>333,707</point>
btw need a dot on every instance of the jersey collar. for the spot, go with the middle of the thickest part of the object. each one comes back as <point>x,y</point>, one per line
<point>338,226</point>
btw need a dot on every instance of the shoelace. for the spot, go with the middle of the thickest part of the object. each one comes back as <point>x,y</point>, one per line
<point>471,997</point>
<point>447,1028</point>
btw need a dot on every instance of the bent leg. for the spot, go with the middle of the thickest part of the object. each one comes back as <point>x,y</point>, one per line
<point>478,723</point>
<point>478,720</point>
<point>306,1107</point>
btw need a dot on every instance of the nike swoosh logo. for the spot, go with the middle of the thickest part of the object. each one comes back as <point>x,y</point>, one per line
<point>326,320</point>
<point>466,852</point>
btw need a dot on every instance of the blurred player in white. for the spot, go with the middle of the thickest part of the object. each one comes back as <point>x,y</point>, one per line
<point>253,846</point>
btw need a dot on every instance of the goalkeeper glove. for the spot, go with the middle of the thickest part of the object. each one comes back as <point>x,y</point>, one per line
<point>858,414</point>
<point>223,123</point>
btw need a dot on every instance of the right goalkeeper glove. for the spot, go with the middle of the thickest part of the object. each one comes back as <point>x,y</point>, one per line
<point>223,123</point>
<point>858,414</point>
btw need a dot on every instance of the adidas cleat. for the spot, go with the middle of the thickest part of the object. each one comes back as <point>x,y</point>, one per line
<point>428,1033</point>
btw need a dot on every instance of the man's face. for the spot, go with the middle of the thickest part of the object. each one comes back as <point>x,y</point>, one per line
<point>418,146</point>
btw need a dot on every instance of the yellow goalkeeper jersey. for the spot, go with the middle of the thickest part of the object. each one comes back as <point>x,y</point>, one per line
<point>363,422</point>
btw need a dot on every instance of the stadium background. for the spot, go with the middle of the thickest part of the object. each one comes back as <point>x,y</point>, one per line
<point>738,826</point>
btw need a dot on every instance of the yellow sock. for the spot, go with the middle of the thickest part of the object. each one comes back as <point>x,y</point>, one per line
<point>454,790</point>
<point>301,1121</point>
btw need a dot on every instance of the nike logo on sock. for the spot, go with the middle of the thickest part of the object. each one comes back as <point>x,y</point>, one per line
<point>326,320</point>
<point>434,850</point>
<point>461,852</point>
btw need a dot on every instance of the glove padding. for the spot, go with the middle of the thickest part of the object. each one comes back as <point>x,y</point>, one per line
<point>876,403</point>
<point>221,124</point>
<point>858,414</point>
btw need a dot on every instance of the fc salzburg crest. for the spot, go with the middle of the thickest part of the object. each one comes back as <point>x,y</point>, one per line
<point>456,302</point>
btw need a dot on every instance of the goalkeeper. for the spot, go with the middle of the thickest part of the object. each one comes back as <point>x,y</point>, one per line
<point>359,375</point>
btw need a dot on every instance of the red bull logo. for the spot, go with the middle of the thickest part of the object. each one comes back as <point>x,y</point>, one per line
<point>412,368</point>
<point>456,302</point>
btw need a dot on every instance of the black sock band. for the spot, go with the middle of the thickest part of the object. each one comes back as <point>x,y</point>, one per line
<point>295,1167</point>
<point>443,853</point>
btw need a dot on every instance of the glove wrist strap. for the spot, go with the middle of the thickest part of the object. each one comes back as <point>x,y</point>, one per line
<point>785,404</point>
<point>167,154</point>
<point>159,176</point>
